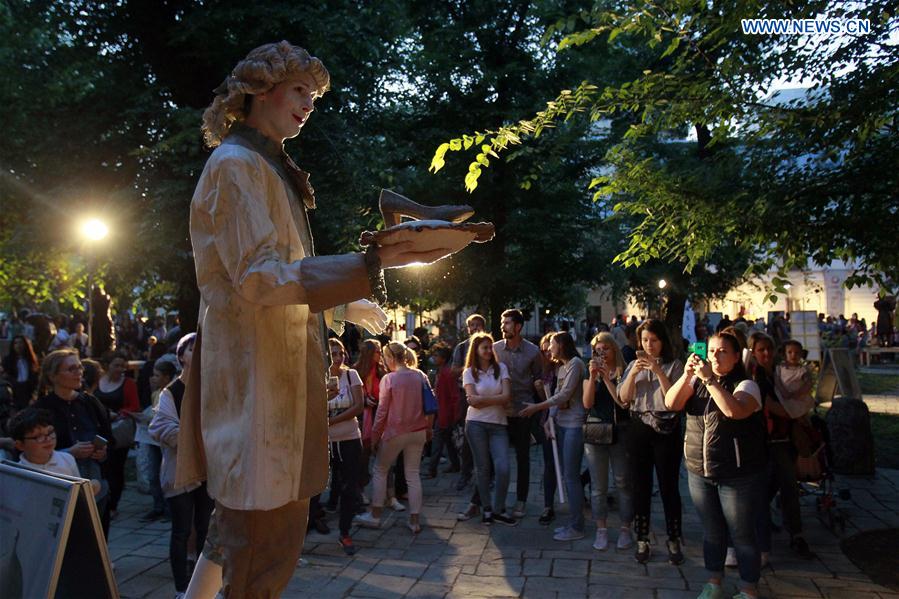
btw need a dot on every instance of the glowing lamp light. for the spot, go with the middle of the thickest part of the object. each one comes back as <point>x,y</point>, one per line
<point>94,229</point>
<point>662,283</point>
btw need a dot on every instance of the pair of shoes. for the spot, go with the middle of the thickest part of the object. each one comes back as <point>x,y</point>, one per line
<point>415,528</point>
<point>451,470</point>
<point>601,543</point>
<point>504,518</point>
<point>520,510</point>
<point>569,534</point>
<point>731,559</point>
<point>367,520</point>
<point>711,591</point>
<point>395,505</point>
<point>625,539</point>
<point>152,515</point>
<point>801,548</point>
<point>470,512</point>
<point>347,544</point>
<point>463,482</point>
<point>675,554</point>
<point>644,552</point>
<point>547,516</point>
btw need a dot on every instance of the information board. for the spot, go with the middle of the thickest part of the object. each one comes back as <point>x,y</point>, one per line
<point>51,540</point>
<point>837,376</point>
<point>804,329</point>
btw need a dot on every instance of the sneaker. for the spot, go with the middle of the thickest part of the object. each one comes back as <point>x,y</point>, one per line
<point>569,534</point>
<point>731,559</point>
<point>395,505</point>
<point>602,539</point>
<point>559,529</point>
<point>547,516</point>
<point>625,538</point>
<point>801,548</point>
<point>366,520</point>
<point>347,544</point>
<point>643,552</point>
<point>711,591</point>
<point>504,518</point>
<point>152,515</point>
<point>470,512</point>
<point>675,555</point>
<point>519,510</point>
<point>487,518</point>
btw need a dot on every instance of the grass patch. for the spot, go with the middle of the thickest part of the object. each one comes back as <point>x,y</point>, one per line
<point>878,384</point>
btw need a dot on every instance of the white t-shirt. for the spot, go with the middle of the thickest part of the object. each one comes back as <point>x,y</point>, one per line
<point>745,386</point>
<point>487,385</point>
<point>60,463</point>
<point>348,429</point>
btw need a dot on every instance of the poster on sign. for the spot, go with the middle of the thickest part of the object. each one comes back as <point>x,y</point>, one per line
<point>51,540</point>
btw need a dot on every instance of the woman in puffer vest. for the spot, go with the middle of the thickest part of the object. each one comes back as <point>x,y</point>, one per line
<point>726,456</point>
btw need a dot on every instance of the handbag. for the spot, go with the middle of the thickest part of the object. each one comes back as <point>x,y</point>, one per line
<point>123,431</point>
<point>599,432</point>
<point>663,423</point>
<point>428,401</point>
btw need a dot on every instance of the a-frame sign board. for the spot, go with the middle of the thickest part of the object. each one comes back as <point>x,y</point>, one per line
<point>51,540</point>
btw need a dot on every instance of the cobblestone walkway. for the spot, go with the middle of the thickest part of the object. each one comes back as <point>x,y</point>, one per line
<point>466,559</point>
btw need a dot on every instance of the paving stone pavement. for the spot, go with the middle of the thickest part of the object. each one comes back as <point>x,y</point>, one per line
<point>467,559</point>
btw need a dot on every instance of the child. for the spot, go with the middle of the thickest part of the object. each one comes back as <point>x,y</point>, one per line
<point>150,454</point>
<point>34,435</point>
<point>448,411</point>
<point>793,381</point>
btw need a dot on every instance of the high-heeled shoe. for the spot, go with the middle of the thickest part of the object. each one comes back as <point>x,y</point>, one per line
<point>394,207</point>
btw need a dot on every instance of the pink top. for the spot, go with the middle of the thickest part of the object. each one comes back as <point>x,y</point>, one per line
<point>399,408</point>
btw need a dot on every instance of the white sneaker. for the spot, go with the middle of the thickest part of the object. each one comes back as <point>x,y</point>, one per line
<point>625,538</point>
<point>559,529</point>
<point>731,560</point>
<point>602,539</point>
<point>520,510</point>
<point>396,506</point>
<point>366,520</point>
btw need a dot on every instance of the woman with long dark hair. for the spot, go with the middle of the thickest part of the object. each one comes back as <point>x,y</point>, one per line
<point>568,414</point>
<point>726,455</point>
<point>371,369</point>
<point>22,369</point>
<point>655,442</point>
<point>119,394</point>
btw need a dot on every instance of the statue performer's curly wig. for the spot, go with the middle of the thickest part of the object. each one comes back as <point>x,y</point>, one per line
<point>262,69</point>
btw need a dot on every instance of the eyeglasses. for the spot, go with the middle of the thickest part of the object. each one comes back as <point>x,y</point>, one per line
<point>76,368</point>
<point>51,436</point>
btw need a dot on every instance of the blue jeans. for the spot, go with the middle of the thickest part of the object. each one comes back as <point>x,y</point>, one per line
<point>729,505</point>
<point>571,450</point>
<point>598,458</point>
<point>488,440</point>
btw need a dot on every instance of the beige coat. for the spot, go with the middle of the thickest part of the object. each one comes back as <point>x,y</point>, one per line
<point>262,408</point>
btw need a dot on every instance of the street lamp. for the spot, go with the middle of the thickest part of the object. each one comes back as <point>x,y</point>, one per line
<point>92,230</point>
<point>662,283</point>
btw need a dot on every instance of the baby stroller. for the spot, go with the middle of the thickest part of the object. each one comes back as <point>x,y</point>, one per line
<point>813,470</point>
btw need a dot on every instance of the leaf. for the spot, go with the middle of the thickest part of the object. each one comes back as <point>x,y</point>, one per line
<point>615,33</point>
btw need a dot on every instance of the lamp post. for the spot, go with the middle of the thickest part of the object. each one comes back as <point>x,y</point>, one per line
<point>92,230</point>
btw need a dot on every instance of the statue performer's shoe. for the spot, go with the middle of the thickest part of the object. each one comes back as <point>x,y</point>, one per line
<point>394,207</point>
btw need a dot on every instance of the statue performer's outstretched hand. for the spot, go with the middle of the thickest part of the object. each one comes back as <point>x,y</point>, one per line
<point>367,314</point>
<point>402,254</point>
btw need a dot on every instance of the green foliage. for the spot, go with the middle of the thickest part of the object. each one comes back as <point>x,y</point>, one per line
<point>813,178</point>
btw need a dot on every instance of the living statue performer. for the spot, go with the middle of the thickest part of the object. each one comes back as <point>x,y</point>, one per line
<point>254,417</point>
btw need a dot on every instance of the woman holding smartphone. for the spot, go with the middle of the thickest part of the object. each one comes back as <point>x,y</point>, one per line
<point>655,442</point>
<point>601,402</point>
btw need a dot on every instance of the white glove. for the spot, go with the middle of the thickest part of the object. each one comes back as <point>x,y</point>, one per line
<point>367,314</point>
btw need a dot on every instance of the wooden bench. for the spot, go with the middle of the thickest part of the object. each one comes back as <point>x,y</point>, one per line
<point>867,351</point>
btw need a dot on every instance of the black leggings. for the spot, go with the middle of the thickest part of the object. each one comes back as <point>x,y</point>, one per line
<point>189,510</point>
<point>346,459</point>
<point>115,475</point>
<point>650,451</point>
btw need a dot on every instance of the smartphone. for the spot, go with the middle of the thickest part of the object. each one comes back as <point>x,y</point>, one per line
<point>99,442</point>
<point>641,354</point>
<point>699,348</point>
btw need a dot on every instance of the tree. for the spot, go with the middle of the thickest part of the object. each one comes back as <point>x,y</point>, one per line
<point>784,182</point>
